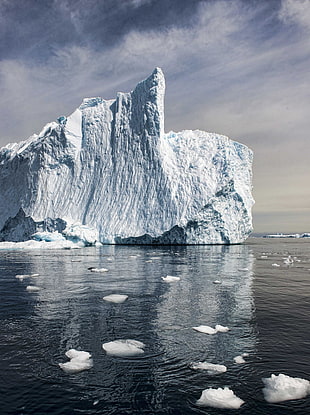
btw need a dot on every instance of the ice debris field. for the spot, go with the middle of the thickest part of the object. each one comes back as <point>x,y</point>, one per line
<point>277,388</point>
<point>109,173</point>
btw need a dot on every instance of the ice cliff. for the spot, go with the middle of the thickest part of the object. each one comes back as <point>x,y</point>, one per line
<point>109,171</point>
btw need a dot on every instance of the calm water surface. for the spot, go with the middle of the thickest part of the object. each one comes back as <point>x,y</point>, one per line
<point>265,307</point>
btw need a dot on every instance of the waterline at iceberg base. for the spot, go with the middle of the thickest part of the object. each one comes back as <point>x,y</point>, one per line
<point>109,173</point>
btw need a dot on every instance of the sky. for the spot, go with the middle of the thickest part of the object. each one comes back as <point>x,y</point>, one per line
<point>240,68</point>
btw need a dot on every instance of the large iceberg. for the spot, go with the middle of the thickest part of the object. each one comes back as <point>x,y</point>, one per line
<point>109,171</point>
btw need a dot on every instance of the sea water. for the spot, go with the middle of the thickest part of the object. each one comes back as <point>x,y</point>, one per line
<point>264,306</point>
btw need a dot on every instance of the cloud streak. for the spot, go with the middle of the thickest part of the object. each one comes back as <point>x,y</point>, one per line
<point>233,67</point>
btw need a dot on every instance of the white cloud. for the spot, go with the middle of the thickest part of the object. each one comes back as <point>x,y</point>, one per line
<point>296,11</point>
<point>220,77</point>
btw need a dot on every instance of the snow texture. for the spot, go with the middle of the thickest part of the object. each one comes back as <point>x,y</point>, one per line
<point>220,398</point>
<point>109,173</point>
<point>284,388</point>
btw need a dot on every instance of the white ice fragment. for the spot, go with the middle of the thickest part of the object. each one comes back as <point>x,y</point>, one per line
<point>217,282</point>
<point>116,298</point>
<point>211,368</point>
<point>239,359</point>
<point>288,261</point>
<point>284,388</point>
<point>79,360</point>
<point>32,288</point>
<point>94,269</point>
<point>124,348</point>
<point>244,269</point>
<point>205,329</point>
<point>221,329</point>
<point>170,278</point>
<point>220,398</point>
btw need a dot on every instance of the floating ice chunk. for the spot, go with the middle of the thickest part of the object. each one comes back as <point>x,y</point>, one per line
<point>79,361</point>
<point>288,261</point>
<point>124,348</point>
<point>32,288</point>
<point>220,398</point>
<point>239,360</point>
<point>275,265</point>
<point>211,368</point>
<point>217,282</point>
<point>116,298</point>
<point>94,269</point>
<point>244,269</point>
<point>221,329</point>
<point>284,388</point>
<point>22,276</point>
<point>205,329</point>
<point>170,278</point>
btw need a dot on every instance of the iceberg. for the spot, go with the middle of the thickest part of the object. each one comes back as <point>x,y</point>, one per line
<point>108,173</point>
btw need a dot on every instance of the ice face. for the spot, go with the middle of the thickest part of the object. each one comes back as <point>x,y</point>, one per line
<point>108,173</point>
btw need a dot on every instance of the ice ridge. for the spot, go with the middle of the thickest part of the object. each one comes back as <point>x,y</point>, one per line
<point>110,167</point>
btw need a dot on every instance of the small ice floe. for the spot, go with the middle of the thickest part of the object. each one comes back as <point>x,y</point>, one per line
<point>79,361</point>
<point>124,348</point>
<point>244,269</point>
<point>116,298</point>
<point>275,265</point>
<point>205,329</point>
<point>288,261</point>
<point>239,360</point>
<point>22,276</point>
<point>211,368</point>
<point>94,269</point>
<point>220,398</point>
<point>217,282</point>
<point>32,288</point>
<point>211,330</point>
<point>170,278</point>
<point>285,388</point>
<point>221,329</point>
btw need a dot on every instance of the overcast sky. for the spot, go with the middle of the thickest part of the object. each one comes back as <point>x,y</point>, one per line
<point>236,67</point>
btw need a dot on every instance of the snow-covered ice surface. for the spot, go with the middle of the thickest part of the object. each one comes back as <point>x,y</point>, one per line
<point>109,173</point>
<point>124,348</point>
<point>220,398</point>
<point>285,388</point>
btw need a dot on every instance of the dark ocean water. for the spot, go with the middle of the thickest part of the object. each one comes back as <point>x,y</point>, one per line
<point>266,308</point>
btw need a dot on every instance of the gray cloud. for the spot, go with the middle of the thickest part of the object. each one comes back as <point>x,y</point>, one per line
<point>232,67</point>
